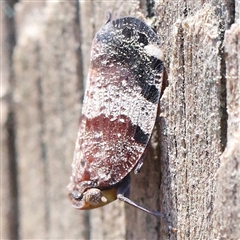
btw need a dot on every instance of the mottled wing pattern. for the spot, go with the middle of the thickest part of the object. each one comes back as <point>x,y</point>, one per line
<point>120,103</point>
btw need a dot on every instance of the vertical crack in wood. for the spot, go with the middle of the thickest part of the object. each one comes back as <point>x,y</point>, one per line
<point>13,215</point>
<point>225,23</point>
<point>10,40</point>
<point>43,149</point>
<point>223,97</point>
<point>78,36</point>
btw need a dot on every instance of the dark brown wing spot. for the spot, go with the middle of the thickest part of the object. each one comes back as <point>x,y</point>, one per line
<point>140,136</point>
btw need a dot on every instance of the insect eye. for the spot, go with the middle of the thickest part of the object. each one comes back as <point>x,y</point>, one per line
<point>76,195</point>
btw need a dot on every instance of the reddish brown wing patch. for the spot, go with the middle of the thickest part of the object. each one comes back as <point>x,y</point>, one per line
<point>120,104</point>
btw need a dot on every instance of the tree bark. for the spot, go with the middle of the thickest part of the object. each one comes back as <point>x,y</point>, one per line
<point>191,170</point>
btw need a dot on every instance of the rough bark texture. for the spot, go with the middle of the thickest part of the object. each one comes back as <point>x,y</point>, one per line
<point>191,171</point>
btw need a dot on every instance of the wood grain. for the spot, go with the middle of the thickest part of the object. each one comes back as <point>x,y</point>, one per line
<point>191,171</point>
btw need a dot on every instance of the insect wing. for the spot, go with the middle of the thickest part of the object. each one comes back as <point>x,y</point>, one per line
<point>120,103</point>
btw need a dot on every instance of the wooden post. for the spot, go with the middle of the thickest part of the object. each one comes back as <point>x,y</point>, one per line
<point>191,171</point>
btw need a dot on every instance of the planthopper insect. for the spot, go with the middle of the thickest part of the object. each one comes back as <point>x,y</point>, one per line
<point>119,113</point>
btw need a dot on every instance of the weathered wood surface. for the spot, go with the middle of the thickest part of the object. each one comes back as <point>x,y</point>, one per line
<point>191,171</point>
